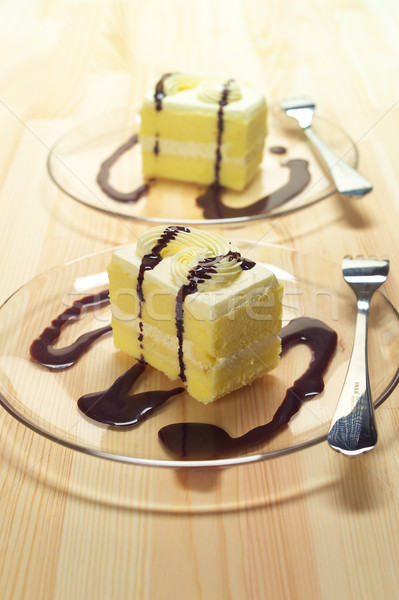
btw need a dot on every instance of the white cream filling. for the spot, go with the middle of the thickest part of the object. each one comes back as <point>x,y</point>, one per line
<point>209,87</point>
<point>197,150</point>
<point>152,336</point>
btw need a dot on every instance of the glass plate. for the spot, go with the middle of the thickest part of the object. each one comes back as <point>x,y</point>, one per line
<point>46,401</point>
<point>75,159</point>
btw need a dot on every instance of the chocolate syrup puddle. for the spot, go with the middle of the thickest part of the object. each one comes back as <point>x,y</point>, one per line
<point>298,179</point>
<point>211,200</point>
<point>278,150</point>
<point>105,173</point>
<point>149,262</point>
<point>117,407</point>
<point>204,441</point>
<point>42,349</point>
<point>199,274</point>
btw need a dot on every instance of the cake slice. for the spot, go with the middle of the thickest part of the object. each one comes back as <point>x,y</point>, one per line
<point>186,302</point>
<point>203,128</point>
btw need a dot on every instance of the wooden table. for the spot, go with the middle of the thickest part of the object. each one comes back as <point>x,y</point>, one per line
<point>309,525</point>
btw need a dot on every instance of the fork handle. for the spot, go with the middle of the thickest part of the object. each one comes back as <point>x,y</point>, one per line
<point>353,429</point>
<point>347,180</point>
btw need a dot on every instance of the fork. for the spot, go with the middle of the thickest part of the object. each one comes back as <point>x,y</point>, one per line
<point>347,180</point>
<point>352,429</point>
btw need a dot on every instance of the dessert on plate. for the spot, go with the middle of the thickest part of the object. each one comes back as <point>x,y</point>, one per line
<point>186,302</point>
<point>204,129</point>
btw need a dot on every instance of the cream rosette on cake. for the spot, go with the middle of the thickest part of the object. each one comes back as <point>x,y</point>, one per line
<point>191,249</point>
<point>212,90</point>
<point>212,271</point>
<point>208,88</point>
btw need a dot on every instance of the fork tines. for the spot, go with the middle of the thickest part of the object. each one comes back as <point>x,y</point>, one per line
<point>360,267</point>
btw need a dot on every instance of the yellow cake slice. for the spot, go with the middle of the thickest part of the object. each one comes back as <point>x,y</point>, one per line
<point>186,302</point>
<point>203,128</point>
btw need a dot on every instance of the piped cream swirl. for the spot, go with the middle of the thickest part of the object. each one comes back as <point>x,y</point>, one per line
<point>211,274</point>
<point>209,88</point>
<point>177,82</point>
<point>188,248</point>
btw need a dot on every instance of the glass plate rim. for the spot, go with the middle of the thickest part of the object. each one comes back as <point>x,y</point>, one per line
<point>210,222</point>
<point>168,463</point>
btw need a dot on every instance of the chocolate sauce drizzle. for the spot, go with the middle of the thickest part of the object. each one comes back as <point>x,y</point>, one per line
<point>159,93</point>
<point>149,262</point>
<point>211,200</point>
<point>278,150</point>
<point>205,441</point>
<point>204,270</point>
<point>224,98</point>
<point>156,145</point>
<point>105,173</point>
<point>42,349</point>
<point>115,406</point>
<point>298,179</point>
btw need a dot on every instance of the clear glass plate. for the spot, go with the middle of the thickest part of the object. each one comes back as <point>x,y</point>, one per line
<point>46,401</point>
<point>75,159</point>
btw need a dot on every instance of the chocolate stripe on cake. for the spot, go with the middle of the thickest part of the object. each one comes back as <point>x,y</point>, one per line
<point>149,262</point>
<point>222,103</point>
<point>156,145</point>
<point>199,274</point>
<point>204,270</point>
<point>159,94</point>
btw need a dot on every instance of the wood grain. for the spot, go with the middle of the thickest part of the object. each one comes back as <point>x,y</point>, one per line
<point>310,525</point>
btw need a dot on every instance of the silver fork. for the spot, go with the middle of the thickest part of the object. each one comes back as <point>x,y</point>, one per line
<point>347,180</point>
<point>352,429</point>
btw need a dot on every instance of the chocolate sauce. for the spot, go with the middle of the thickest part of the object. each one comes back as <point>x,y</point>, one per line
<point>156,145</point>
<point>220,127</point>
<point>211,201</point>
<point>149,262</point>
<point>202,440</point>
<point>105,172</point>
<point>115,406</point>
<point>199,274</point>
<point>141,335</point>
<point>42,349</point>
<point>213,207</point>
<point>159,93</point>
<point>278,150</point>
